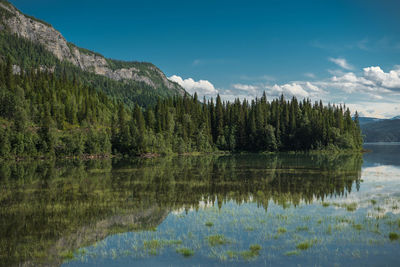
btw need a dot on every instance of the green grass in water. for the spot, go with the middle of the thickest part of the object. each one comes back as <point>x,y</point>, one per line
<point>393,236</point>
<point>209,224</point>
<point>351,206</point>
<point>301,228</point>
<point>185,252</point>
<point>306,244</point>
<point>292,253</point>
<point>68,255</point>
<point>357,226</point>
<point>216,240</point>
<point>154,245</point>
<point>281,230</point>
<point>253,252</point>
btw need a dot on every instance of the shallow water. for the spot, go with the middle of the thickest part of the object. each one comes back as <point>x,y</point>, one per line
<point>204,211</point>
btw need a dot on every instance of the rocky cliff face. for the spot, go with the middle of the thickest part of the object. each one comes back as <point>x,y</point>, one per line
<point>43,33</point>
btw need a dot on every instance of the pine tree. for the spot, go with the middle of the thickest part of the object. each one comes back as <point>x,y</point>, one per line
<point>9,76</point>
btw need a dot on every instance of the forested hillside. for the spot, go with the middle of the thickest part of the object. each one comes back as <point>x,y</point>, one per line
<point>382,131</point>
<point>27,55</point>
<point>52,114</point>
<point>33,43</point>
<point>44,114</point>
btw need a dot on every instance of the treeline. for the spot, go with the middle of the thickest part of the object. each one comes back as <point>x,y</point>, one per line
<point>43,113</point>
<point>183,124</point>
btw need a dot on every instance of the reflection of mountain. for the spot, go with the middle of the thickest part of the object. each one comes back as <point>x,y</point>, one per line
<point>50,210</point>
<point>382,154</point>
<point>87,235</point>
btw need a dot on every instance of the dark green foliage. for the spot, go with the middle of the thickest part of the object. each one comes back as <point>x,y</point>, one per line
<point>59,115</point>
<point>181,125</point>
<point>41,114</point>
<point>46,114</point>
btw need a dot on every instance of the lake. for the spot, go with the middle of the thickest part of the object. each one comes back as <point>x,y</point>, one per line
<point>230,210</point>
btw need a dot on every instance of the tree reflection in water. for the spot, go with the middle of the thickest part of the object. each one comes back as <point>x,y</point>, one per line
<point>50,208</point>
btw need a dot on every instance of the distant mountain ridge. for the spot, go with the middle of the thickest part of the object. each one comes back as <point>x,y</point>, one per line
<point>365,120</point>
<point>14,22</point>
<point>380,130</point>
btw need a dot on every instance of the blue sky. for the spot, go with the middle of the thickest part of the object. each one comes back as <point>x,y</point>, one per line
<point>339,51</point>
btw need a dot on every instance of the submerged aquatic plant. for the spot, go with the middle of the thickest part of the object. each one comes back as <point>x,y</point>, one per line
<point>209,224</point>
<point>215,240</point>
<point>306,244</point>
<point>281,230</point>
<point>357,226</point>
<point>253,252</point>
<point>393,236</point>
<point>350,207</point>
<point>154,245</point>
<point>186,252</point>
<point>68,255</point>
<point>301,228</point>
<point>292,253</point>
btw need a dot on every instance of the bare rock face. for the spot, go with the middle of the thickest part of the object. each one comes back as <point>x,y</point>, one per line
<point>43,33</point>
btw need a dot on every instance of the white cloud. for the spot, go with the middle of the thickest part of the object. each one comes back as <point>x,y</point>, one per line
<point>376,110</point>
<point>373,81</point>
<point>341,62</point>
<point>246,87</point>
<point>389,80</point>
<point>292,89</point>
<point>309,75</point>
<point>299,89</point>
<point>336,72</point>
<point>202,87</point>
<point>371,91</point>
<point>312,87</point>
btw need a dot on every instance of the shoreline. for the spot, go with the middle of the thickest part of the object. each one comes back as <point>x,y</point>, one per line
<point>152,155</point>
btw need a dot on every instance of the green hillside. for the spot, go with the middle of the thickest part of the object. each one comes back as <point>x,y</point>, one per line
<point>382,131</point>
<point>29,55</point>
<point>144,87</point>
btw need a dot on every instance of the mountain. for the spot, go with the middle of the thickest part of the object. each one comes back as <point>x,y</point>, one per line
<point>365,120</point>
<point>382,131</point>
<point>33,43</point>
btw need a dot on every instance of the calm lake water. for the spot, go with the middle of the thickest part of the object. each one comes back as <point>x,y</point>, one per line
<point>237,210</point>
